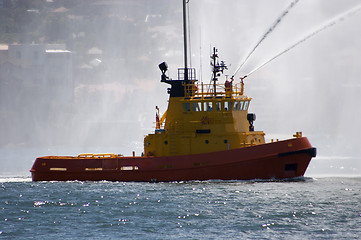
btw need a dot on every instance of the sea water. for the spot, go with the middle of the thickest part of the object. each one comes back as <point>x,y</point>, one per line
<point>305,208</point>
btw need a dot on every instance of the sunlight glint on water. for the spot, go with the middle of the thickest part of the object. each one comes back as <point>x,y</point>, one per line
<point>304,209</point>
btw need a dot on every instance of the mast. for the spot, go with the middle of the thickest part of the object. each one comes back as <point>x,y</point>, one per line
<point>185,40</point>
<point>217,69</point>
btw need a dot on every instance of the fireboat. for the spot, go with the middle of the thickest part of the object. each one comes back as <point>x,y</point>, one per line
<point>206,133</point>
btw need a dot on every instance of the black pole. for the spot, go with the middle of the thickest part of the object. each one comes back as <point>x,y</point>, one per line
<point>215,71</point>
<point>185,40</point>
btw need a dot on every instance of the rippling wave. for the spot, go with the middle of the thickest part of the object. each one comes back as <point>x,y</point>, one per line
<point>303,208</point>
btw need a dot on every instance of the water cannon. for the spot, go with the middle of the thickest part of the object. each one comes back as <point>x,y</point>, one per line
<point>251,117</point>
<point>163,68</point>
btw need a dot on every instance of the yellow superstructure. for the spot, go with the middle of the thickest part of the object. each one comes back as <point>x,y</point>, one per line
<point>202,118</point>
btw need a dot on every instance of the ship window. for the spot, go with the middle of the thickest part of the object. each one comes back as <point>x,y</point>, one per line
<point>246,103</point>
<point>197,106</point>
<point>186,107</point>
<point>235,106</point>
<point>240,107</point>
<point>208,106</point>
<point>219,106</point>
<point>228,106</point>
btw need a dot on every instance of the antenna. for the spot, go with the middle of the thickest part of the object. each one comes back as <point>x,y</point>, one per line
<point>217,68</point>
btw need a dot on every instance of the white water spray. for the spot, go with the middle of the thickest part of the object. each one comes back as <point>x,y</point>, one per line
<point>331,23</point>
<point>274,25</point>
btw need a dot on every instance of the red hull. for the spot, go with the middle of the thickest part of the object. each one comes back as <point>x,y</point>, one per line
<point>278,160</point>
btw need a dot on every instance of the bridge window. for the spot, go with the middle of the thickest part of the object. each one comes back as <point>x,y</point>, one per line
<point>219,106</point>
<point>186,107</point>
<point>238,105</point>
<point>235,106</point>
<point>207,106</point>
<point>241,104</point>
<point>228,106</point>
<point>197,106</point>
<point>246,104</point>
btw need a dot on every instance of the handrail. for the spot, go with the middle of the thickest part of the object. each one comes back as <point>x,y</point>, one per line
<point>159,124</point>
<point>101,155</point>
<point>207,90</point>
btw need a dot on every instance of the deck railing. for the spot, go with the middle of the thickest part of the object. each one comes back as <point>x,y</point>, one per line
<point>191,74</point>
<point>203,90</point>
